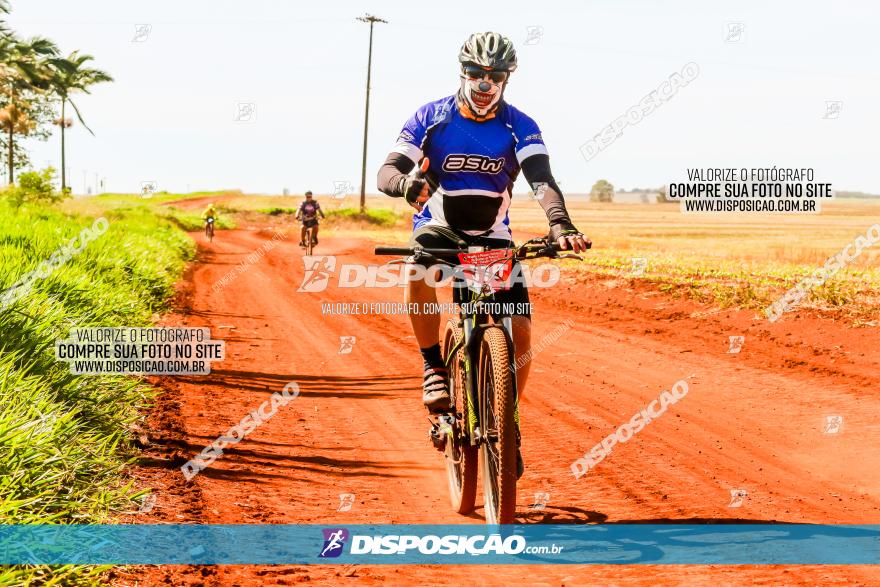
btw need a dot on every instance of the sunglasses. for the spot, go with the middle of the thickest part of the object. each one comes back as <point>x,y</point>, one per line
<point>475,72</point>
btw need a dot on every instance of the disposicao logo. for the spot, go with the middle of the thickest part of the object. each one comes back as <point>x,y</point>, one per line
<point>318,269</point>
<point>334,542</point>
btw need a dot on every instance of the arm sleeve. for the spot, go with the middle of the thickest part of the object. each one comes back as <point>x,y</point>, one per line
<point>407,152</point>
<point>536,170</point>
<point>393,172</point>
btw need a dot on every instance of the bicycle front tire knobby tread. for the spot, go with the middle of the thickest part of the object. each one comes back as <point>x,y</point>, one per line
<point>497,380</point>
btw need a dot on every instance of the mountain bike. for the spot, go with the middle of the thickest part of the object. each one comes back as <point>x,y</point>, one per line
<point>483,422</point>
<point>209,228</point>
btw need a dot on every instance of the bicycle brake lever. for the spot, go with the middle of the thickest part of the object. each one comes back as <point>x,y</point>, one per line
<point>419,253</point>
<point>570,256</point>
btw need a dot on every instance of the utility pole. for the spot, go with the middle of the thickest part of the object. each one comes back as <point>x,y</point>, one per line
<point>372,20</point>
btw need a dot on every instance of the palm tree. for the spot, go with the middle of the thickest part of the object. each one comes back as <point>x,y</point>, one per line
<point>24,67</point>
<point>4,9</point>
<point>71,75</point>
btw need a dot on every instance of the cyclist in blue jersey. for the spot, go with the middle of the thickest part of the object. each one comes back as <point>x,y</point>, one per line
<point>476,144</point>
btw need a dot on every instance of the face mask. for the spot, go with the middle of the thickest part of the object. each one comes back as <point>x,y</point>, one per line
<point>482,96</point>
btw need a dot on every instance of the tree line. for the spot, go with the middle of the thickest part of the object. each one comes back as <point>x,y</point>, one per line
<point>37,84</point>
<point>603,191</point>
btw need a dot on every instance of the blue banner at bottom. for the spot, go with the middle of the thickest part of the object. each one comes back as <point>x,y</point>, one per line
<point>618,544</point>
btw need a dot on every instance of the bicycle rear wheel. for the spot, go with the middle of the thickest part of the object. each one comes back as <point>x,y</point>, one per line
<point>461,455</point>
<point>498,449</point>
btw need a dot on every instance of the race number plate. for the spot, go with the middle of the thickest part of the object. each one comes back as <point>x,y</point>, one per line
<point>487,271</point>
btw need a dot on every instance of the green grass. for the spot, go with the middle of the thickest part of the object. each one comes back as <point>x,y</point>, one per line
<point>153,206</point>
<point>378,217</point>
<point>192,220</point>
<point>382,217</point>
<point>65,440</point>
<point>115,200</point>
<point>275,211</point>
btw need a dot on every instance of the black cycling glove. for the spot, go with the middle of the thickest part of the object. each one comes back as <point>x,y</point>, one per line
<point>561,229</point>
<point>411,187</point>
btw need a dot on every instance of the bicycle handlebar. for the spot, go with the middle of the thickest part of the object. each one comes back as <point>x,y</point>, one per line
<point>407,251</point>
<point>529,250</point>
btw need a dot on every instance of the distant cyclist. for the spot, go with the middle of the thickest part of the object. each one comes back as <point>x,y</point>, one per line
<point>476,144</point>
<point>308,212</point>
<point>210,212</point>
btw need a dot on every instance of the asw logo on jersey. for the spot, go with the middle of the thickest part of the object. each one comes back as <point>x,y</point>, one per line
<point>478,163</point>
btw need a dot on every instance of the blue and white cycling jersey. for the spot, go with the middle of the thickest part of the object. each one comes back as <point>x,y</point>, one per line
<point>474,163</point>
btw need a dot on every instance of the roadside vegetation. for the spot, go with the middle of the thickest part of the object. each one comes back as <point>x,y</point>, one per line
<point>65,440</point>
<point>382,217</point>
<point>192,219</point>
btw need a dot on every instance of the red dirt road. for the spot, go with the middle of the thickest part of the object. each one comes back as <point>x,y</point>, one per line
<point>751,421</point>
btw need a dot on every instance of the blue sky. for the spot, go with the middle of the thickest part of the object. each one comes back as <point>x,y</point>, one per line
<point>759,100</point>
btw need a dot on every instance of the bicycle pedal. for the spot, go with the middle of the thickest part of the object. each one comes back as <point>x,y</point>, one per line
<point>440,431</point>
<point>438,437</point>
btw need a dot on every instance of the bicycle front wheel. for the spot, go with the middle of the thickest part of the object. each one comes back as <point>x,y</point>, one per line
<point>498,449</point>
